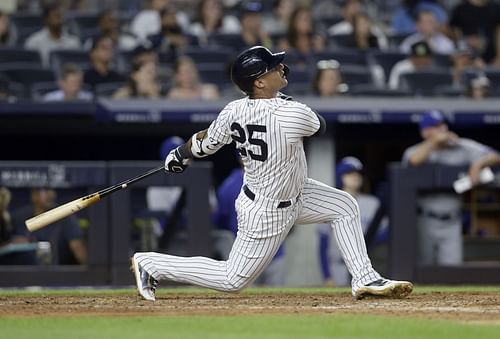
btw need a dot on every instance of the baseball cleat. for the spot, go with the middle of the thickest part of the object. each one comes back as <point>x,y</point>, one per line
<point>385,288</point>
<point>146,284</point>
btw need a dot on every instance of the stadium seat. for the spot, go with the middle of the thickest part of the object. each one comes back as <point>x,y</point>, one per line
<point>28,76</point>
<point>59,58</point>
<point>39,89</point>
<point>79,23</point>
<point>343,56</point>
<point>356,75</point>
<point>26,24</point>
<point>396,39</point>
<point>340,41</point>
<point>208,55</point>
<point>385,59</point>
<point>442,60</point>
<point>229,42</point>
<point>214,73</point>
<point>425,83</point>
<point>371,90</point>
<point>19,55</point>
<point>107,89</point>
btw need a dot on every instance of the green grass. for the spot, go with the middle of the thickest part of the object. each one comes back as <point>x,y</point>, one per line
<point>241,327</point>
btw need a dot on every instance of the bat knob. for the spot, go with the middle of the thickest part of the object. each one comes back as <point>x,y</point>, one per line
<point>124,185</point>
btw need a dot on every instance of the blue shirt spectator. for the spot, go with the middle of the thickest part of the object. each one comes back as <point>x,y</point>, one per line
<point>404,19</point>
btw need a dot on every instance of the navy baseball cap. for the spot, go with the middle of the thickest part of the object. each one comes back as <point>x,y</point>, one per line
<point>431,119</point>
<point>250,7</point>
<point>346,165</point>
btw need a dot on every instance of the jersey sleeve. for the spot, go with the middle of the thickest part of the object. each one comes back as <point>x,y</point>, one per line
<point>297,121</point>
<point>475,150</point>
<point>219,131</point>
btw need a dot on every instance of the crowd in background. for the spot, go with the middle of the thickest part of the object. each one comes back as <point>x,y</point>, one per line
<point>78,50</point>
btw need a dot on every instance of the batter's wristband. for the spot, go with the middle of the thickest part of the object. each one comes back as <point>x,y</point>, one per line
<point>185,151</point>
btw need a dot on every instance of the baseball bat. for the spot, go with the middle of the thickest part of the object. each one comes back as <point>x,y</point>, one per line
<point>60,212</point>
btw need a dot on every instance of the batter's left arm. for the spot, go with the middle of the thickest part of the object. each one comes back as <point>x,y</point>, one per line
<point>199,145</point>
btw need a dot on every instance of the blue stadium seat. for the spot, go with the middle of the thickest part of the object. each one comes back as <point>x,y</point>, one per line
<point>27,76</point>
<point>385,59</point>
<point>371,90</point>
<point>78,23</point>
<point>427,82</point>
<point>59,58</point>
<point>208,55</point>
<point>214,73</point>
<point>343,56</point>
<point>9,55</point>
<point>39,89</point>
<point>107,89</point>
<point>25,25</point>
<point>356,75</point>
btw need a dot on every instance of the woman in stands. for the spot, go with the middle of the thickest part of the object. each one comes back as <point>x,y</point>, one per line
<point>187,83</point>
<point>142,82</point>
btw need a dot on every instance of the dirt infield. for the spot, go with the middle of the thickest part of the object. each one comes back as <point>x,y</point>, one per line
<point>463,307</point>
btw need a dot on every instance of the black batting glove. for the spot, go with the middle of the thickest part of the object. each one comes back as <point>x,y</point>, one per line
<point>175,163</point>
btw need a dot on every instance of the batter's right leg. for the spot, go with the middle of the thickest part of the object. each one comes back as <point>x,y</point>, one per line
<point>324,204</point>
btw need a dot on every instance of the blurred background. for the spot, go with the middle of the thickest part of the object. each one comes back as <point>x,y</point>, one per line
<point>96,92</point>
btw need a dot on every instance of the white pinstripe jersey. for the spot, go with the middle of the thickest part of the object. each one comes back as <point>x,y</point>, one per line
<point>268,133</point>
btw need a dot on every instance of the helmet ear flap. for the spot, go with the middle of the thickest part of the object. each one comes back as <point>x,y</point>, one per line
<point>286,69</point>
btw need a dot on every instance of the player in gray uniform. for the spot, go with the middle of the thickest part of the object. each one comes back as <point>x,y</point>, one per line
<point>439,214</point>
<point>276,193</point>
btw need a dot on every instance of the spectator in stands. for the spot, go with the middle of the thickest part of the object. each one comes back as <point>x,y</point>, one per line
<point>70,86</point>
<point>301,36</point>
<point>7,35</point>
<point>101,56</point>
<point>251,31</point>
<point>362,36</point>
<point>327,81</point>
<point>142,82</point>
<point>66,237</point>
<point>350,9</point>
<point>109,26</point>
<point>52,36</point>
<point>403,20</point>
<point>210,19</point>
<point>464,59</point>
<point>147,22</point>
<point>171,38</point>
<point>439,213</point>
<point>420,58</point>
<point>477,22</point>
<point>187,84</point>
<point>349,178</point>
<point>428,31</point>
<point>278,20</point>
<point>478,87</point>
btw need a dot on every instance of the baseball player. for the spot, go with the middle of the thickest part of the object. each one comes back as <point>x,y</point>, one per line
<point>439,213</point>
<point>268,131</point>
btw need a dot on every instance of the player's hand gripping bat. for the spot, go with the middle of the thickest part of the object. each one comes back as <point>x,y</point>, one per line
<point>74,206</point>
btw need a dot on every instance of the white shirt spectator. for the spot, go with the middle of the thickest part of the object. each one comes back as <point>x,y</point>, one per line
<point>44,43</point>
<point>439,43</point>
<point>402,67</point>
<point>345,28</point>
<point>230,25</point>
<point>58,95</point>
<point>148,22</point>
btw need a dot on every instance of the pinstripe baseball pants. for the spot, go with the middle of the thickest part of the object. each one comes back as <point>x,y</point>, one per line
<point>262,227</point>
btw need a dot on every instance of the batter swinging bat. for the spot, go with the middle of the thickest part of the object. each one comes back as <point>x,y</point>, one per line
<point>74,206</point>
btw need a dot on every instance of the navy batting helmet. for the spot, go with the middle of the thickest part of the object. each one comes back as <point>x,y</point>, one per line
<point>254,63</point>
